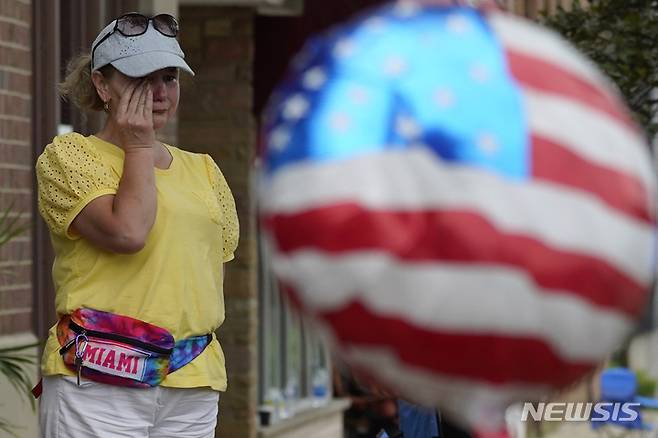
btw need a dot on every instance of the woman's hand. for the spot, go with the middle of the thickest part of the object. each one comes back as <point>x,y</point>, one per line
<point>121,223</point>
<point>134,116</point>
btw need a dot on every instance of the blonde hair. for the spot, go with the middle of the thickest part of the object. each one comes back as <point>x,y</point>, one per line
<point>78,87</point>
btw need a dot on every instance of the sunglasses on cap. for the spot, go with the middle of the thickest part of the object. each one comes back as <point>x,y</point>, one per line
<point>134,24</point>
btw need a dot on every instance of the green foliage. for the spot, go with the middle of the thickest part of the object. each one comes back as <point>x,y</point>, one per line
<point>620,36</point>
<point>10,227</point>
<point>646,385</point>
<point>14,361</point>
<point>13,365</point>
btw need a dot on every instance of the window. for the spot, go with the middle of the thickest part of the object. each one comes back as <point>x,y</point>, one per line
<point>294,372</point>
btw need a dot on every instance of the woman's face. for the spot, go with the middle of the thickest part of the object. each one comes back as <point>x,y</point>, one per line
<point>165,87</point>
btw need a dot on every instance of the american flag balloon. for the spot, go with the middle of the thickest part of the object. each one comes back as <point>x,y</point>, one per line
<point>461,201</point>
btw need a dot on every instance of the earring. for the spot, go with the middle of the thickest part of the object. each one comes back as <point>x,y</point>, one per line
<point>106,106</point>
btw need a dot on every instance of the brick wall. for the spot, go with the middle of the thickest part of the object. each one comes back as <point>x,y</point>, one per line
<point>215,117</point>
<point>15,162</point>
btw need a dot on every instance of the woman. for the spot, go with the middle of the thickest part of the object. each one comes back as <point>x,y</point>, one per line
<point>140,231</point>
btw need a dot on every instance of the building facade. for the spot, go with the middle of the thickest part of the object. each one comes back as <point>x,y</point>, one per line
<point>239,50</point>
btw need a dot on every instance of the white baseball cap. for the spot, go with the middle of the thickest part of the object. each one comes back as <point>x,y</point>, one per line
<point>137,56</point>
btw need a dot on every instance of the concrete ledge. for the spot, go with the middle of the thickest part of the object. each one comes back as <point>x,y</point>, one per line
<point>310,420</point>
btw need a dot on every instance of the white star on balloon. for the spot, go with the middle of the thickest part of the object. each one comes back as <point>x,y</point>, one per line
<point>428,38</point>
<point>394,66</point>
<point>406,8</point>
<point>444,98</point>
<point>479,73</point>
<point>407,127</point>
<point>375,24</point>
<point>295,108</point>
<point>344,48</point>
<point>487,143</point>
<point>339,122</point>
<point>279,139</point>
<point>315,78</point>
<point>458,24</point>
<point>358,95</point>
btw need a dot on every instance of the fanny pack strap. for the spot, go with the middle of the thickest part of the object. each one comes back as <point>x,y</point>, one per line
<point>187,349</point>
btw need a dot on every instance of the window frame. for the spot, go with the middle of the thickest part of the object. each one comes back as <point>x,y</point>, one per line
<point>278,318</point>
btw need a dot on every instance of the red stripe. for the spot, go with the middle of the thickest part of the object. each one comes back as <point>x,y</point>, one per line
<point>619,190</point>
<point>492,358</point>
<point>536,73</point>
<point>457,236</point>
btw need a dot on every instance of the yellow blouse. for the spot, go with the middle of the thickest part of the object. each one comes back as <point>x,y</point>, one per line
<point>175,281</point>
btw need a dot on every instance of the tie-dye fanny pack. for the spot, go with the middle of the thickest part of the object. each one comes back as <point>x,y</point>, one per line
<point>120,350</point>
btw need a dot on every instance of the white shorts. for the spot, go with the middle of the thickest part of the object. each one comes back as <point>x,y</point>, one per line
<point>94,409</point>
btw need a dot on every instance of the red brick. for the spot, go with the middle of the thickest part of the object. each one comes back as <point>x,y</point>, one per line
<point>16,178</point>
<point>14,105</point>
<point>188,13</point>
<point>19,202</point>
<point>216,134</point>
<point>226,72</point>
<point>15,57</point>
<point>15,303</point>
<point>18,154</point>
<point>243,25</point>
<point>17,249</point>
<point>245,72</point>
<point>19,82</point>
<point>218,51</point>
<point>18,34</point>
<point>19,295</point>
<point>14,129</point>
<point>214,99</point>
<point>14,33</point>
<point>16,323</point>
<point>15,82</point>
<point>17,10</point>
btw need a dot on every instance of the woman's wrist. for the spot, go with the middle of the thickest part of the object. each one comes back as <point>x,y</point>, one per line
<point>138,148</point>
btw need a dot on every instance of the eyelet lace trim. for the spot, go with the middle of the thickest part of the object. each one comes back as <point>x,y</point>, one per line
<point>70,171</point>
<point>227,214</point>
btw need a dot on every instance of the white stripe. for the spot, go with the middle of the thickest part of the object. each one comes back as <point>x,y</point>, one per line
<point>466,402</point>
<point>592,135</point>
<point>477,299</point>
<point>414,179</point>
<point>528,38</point>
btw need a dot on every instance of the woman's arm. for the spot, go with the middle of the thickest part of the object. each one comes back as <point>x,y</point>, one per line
<point>120,223</point>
